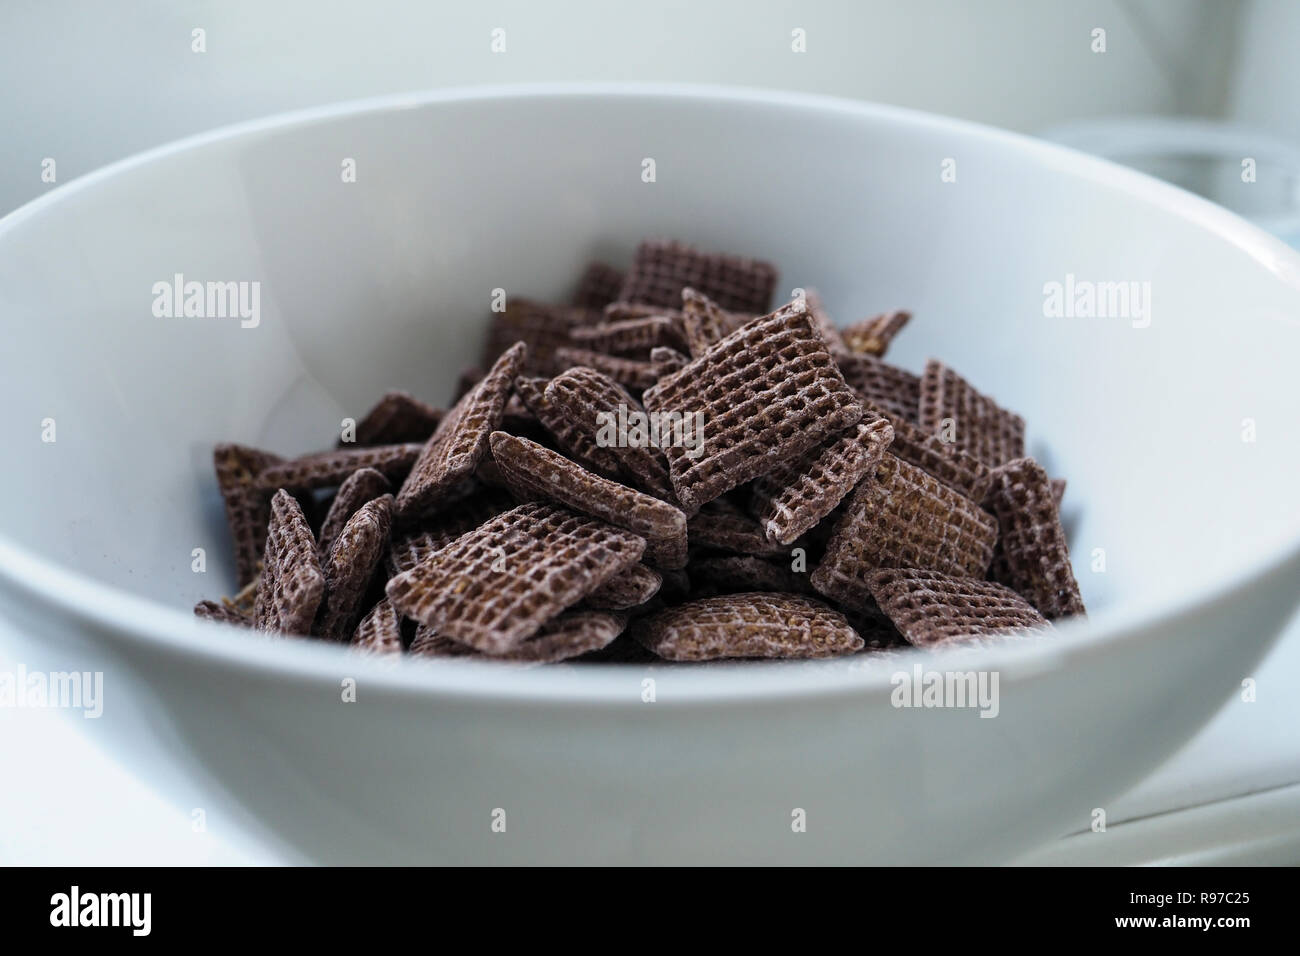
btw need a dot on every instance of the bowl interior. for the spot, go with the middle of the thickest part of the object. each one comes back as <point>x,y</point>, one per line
<point>1169,416</point>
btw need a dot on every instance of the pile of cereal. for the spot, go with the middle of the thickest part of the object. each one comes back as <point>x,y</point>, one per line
<point>665,469</point>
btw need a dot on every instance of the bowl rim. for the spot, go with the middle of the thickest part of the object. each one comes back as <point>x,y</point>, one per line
<point>178,635</point>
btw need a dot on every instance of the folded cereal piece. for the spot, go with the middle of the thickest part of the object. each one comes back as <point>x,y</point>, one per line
<point>380,631</point>
<point>292,584</point>
<point>903,517</point>
<point>630,336</point>
<point>578,442</point>
<point>1037,558</point>
<point>461,441</point>
<point>532,470</point>
<point>792,498</point>
<point>632,373</point>
<point>397,418</point>
<point>955,468</point>
<point>661,269</point>
<point>667,361</point>
<point>750,624</point>
<point>599,405</point>
<point>248,506</point>
<point>978,424</point>
<point>542,328</point>
<point>630,589</point>
<point>599,286</point>
<point>768,392</point>
<point>889,387</point>
<point>495,586</point>
<point>353,558</point>
<point>929,607</point>
<point>872,336</point>
<point>703,321</point>
<point>364,484</point>
<point>329,468</point>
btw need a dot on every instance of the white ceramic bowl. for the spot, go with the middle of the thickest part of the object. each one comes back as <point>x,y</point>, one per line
<point>385,282</point>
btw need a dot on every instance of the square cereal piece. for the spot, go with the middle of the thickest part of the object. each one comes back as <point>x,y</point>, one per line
<point>495,586</point>
<point>797,494</point>
<point>929,607</point>
<point>887,386</point>
<point>542,328</point>
<point>768,392</point>
<point>599,286</point>
<point>901,517</point>
<point>979,425</point>
<point>748,624</point>
<point>661,269</point>
<point>1035,559</point>
<point>293,584</point>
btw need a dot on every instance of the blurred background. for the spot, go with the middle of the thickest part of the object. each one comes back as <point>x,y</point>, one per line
<point>1186,89</point>
<point>86,82</point>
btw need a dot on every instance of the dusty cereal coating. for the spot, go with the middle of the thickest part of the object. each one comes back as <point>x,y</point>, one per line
<point>326,469</point>
<point>955,468</point>
<point>221,613</point>
<point>1037,558</point>
<point>292,585</point>
<point>903,517</point>
<point>768,392</point>
<point>364,484</point>
<point>980,426</point>
<point>872,336</point>
<point>629,589</point>
<point>532,470</point>
<point>542,328</point>
<point>721,529</point>
<point>380,631</point>
<point>599,286</point>
<point>929,607</point>
<point>630,373</point>
<point>353,558</point>
<point>461,441</point>
<point>495,586</point>
<point>395,419</point>
<point>748,624</point>
<point>577,441</point>
<point>661,269</point>
<point>584,395</point>
<point>889,387</point>
<point>630,337</point>
<point>248,506</point>
<point>722,575</point>
<point>667,361</point>
<point>792,498</point>
<point>411,543</point>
